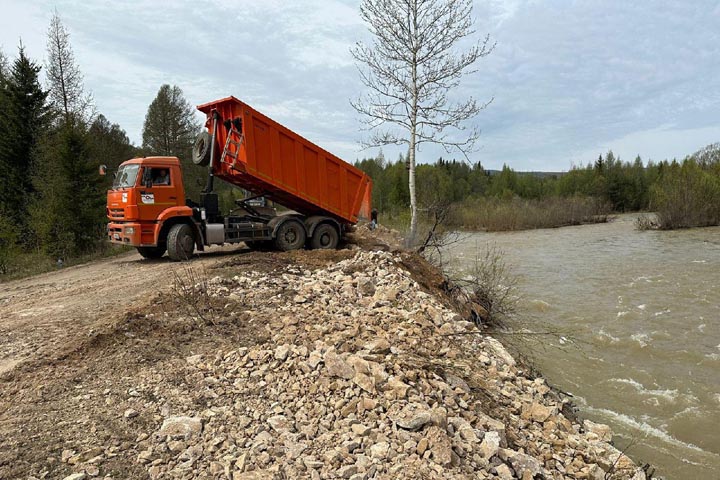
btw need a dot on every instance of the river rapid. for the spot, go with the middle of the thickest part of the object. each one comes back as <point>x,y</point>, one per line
<point>637,322</point>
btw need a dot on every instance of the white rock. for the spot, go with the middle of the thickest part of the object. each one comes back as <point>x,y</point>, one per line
<point>490,445</point>
<point>379,450</point>
<point>281,352</point>
<point>181,426</point>
<point>76,476</point>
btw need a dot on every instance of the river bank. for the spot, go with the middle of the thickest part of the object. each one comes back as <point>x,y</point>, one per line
<point>348,364</point>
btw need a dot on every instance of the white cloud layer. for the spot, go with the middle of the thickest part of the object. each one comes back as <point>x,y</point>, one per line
<point>571,78</point>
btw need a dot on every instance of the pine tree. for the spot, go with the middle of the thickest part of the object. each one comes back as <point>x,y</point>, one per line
<point>170,129</point>
<point>68,213</point>
<point>25,116</point>
<point>108,143</point>
<point>67,92</point>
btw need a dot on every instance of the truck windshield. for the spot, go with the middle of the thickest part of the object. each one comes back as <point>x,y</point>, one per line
<point>126,176</point>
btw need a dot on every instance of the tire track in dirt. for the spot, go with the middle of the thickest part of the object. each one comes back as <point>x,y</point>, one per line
<point>40,314</point>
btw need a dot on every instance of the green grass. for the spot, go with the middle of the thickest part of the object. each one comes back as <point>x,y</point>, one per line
<point>23,265</point>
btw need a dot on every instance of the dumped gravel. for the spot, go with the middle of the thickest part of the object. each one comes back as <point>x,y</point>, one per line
<point>357,372</point>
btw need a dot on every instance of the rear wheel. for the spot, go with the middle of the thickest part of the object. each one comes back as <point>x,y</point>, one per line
<point>290,236</point>
<point>325,236</point>
<point>151,252</point>
<point>180,242</point>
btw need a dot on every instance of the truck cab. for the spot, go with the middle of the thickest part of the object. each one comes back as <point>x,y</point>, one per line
<point>146,199</point>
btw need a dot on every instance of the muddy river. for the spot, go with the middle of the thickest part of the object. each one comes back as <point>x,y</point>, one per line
<point>636,322</point>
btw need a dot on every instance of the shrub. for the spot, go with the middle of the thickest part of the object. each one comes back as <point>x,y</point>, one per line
<point>514,213</point>
<point>686,196</point>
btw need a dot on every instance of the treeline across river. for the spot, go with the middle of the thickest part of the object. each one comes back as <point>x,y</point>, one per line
<point>682,193</point>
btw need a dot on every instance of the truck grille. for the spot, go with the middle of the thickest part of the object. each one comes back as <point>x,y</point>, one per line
<point>117,213</point>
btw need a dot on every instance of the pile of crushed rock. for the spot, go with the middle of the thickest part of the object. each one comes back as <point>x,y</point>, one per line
<point>364,376</point>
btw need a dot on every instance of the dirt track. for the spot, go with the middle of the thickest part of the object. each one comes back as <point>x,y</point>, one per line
<point>43,315</point>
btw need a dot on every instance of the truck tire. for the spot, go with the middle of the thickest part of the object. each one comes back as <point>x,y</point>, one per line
<point>290,236</point>
<point>151,252</point>
<point>201,149</point>
<point>325,236</point>
<point>180,242</point>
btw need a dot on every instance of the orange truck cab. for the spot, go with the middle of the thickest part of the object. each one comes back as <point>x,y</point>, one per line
<point>147,208</point>
<point>146,201</point>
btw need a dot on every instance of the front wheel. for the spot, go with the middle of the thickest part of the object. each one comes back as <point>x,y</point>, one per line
<point>325,236</point>
<point>290,236</point>
<point>151,252</point>
<point>180,242</point>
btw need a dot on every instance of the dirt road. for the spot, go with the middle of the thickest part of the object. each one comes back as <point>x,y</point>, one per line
<point>42,316</point>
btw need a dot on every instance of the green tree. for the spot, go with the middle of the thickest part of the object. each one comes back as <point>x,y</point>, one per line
<point>170,129</point>
<point>108,144</point>
<point>25,117</point>
<point>68,213</point>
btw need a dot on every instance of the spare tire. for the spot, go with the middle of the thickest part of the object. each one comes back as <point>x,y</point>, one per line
<point>201,149</point>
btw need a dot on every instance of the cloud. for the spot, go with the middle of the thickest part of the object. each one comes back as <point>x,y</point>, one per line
<point>570,79</point>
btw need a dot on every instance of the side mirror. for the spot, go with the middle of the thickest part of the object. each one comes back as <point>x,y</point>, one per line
<point>102,170</point>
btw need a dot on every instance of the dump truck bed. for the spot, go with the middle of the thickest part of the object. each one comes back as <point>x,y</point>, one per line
<point>274,161</point>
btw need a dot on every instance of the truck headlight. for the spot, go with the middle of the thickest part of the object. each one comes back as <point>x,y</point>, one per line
<point>129,230</point>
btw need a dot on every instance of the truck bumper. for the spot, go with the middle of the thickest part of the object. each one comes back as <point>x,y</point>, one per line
<point>132,234</point>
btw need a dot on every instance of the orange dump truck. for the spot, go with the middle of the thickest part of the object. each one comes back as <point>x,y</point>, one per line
<point>147,207</point>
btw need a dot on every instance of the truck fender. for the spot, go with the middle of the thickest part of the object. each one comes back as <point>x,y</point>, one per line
<point>275,223</point>
<point>311,224</point>
<point>169,221</point>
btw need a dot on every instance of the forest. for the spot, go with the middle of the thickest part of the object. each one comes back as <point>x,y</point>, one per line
<point>682,193</point>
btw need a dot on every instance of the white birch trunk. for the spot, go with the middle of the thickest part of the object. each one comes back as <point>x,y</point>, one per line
<point>411,186</point>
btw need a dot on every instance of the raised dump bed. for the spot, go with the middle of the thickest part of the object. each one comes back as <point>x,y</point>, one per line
<point>258,154</point>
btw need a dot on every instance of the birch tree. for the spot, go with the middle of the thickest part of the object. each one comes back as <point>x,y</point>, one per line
<point>65,79</point>
<point>410,69</point>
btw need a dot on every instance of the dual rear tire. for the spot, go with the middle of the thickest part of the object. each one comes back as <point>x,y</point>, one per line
<point>325,237</point>
<point>291,235</point>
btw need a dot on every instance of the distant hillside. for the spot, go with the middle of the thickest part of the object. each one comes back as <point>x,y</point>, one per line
<point>534,174</point>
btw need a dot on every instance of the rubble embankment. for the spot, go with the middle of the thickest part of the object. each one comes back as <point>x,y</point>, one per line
<point>360,371</point>
<point>365,375</point>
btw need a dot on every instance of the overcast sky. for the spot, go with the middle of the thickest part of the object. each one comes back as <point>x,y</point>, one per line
<point>570,79</point>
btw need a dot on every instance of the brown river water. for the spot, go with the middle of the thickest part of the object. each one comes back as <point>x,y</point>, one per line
<point>637,316</point>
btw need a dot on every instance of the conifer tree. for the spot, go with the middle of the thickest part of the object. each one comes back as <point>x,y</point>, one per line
<point>67,92</point>
<point>25,117</point>
<point>170,129</point>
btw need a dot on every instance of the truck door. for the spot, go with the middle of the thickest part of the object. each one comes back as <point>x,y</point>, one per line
<point>163,192</point>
